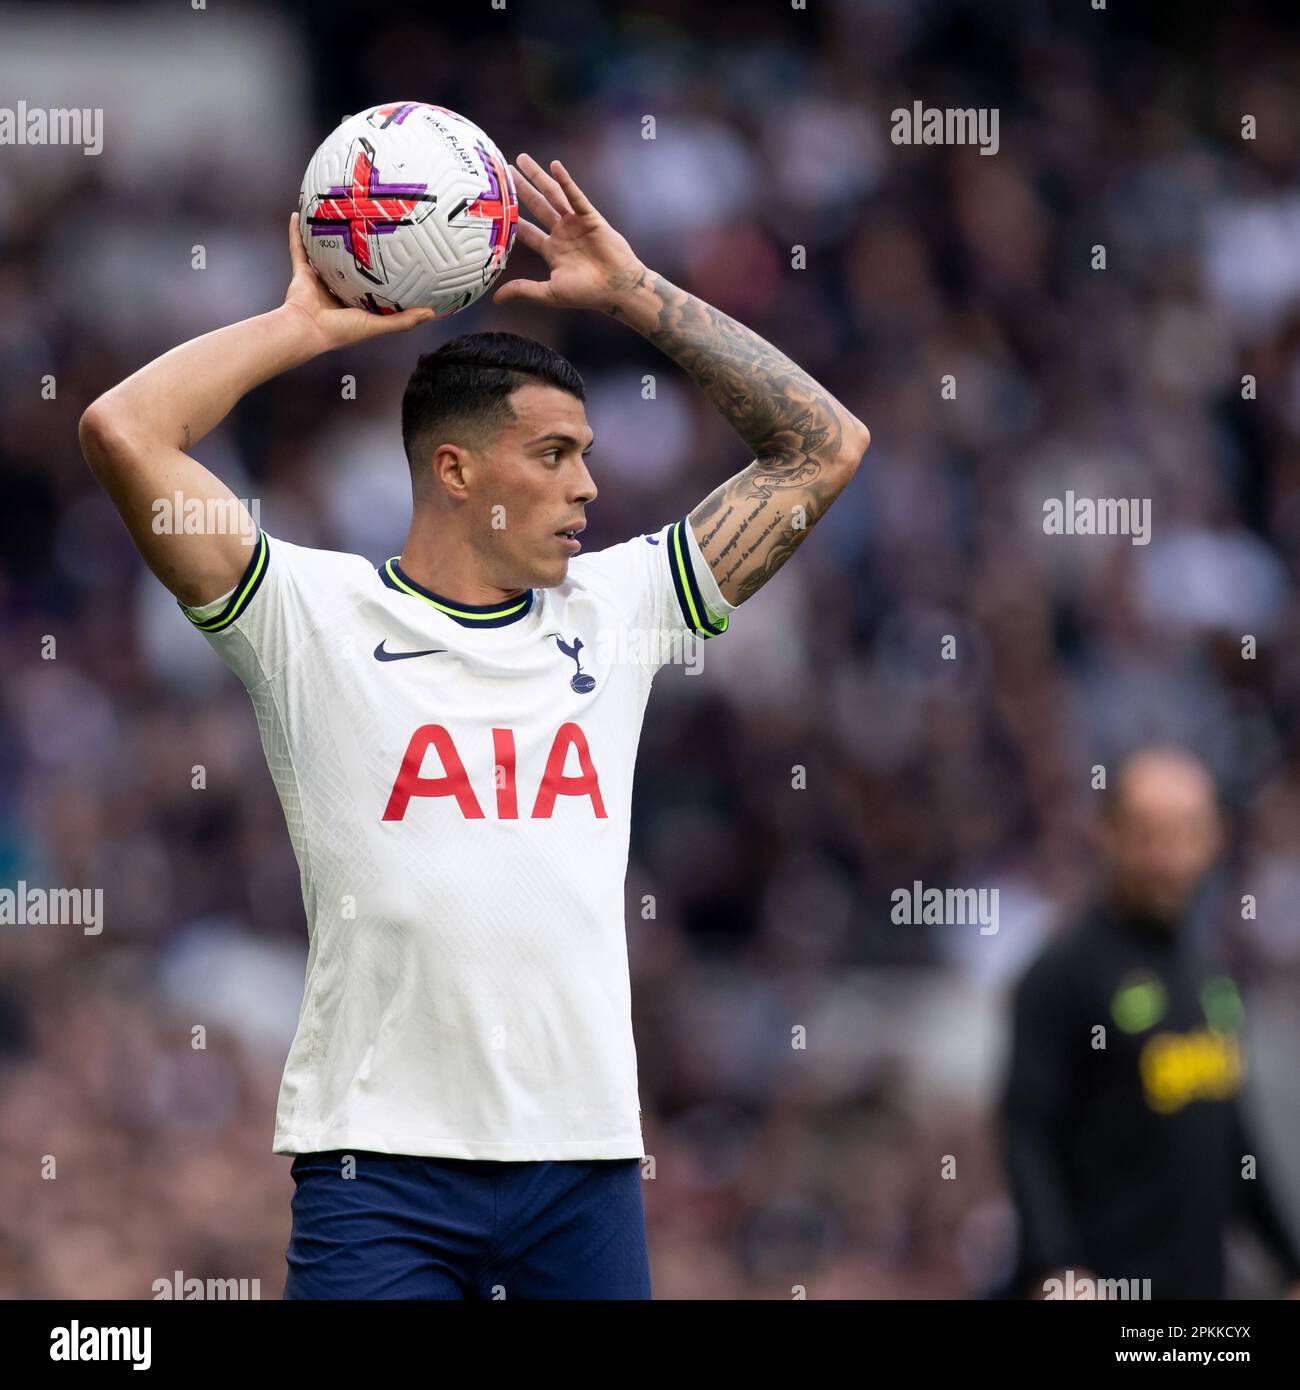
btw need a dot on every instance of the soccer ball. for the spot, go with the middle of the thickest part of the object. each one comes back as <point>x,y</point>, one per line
<point>408,206</point>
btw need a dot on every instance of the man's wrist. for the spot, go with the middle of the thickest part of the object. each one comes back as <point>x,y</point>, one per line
<point>637,302</point>
<point>301,336</point>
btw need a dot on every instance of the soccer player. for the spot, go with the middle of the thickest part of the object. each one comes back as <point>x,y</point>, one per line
<point>452,737</point>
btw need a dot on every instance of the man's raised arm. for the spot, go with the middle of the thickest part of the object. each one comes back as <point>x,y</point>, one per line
<point>134,437</point>
<point>806,444</point>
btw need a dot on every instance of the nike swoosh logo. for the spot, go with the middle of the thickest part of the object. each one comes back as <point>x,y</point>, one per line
<point>382,655</point>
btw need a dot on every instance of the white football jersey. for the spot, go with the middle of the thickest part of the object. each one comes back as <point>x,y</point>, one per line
<point>457,784</point>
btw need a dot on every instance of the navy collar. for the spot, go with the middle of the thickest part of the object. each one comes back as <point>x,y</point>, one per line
<point>466,614</point>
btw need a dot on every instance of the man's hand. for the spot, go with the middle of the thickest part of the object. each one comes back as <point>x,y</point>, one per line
<point>333,323</point>
<point>592,266</point>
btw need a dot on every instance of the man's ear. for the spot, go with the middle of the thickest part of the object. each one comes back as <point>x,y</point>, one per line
<point>451,468</point>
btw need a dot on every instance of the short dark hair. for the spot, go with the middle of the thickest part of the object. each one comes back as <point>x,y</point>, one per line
<point>464,387</point>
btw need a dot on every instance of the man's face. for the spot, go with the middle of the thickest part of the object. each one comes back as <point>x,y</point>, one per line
<point>528,486</point>
<point>1165,834</point>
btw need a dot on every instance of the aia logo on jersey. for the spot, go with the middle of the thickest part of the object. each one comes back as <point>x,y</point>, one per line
<point>455,781</point>
<point>581,683</point>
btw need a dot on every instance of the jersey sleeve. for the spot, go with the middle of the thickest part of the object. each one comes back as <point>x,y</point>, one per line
<point>664,589</point>
<point>281,599</point>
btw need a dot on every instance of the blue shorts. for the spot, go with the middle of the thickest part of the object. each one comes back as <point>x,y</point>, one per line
<point>409,1227</point>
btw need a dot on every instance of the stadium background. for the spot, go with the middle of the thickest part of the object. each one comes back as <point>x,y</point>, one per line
<point>774,1166</point>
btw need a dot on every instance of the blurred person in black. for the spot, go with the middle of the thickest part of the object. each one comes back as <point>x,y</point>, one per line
<point>1123,1127</point>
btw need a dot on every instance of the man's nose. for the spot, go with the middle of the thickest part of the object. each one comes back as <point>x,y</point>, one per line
<point>585,488</point>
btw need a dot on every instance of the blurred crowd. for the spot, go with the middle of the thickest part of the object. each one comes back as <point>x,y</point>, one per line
<point>806,1064</point>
